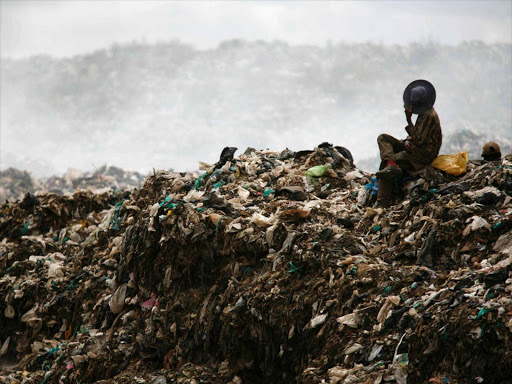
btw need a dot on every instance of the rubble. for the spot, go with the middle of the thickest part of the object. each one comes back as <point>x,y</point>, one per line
<point>269,267</point>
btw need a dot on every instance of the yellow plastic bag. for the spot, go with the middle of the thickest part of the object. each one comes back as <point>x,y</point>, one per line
<point>453,164</point>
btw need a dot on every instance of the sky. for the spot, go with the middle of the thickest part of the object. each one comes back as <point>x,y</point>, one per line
<point>66,28</point>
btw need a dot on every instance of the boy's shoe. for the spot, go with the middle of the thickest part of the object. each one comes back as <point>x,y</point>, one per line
<point>389,172</point>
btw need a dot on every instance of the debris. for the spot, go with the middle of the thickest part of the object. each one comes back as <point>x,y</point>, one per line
<point>265,278</point>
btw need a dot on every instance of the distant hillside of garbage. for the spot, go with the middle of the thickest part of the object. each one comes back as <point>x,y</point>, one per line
<point>14,184</point>
<point>169,104</point>
<point>265,267</point>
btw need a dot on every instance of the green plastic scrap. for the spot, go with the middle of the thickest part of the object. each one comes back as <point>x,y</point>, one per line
<point>46,366</point>
<point>352,271</point>
<point>317,171</point>
<point>403,359</point>
<point>219,223</point>
<point>414,285</point>
<point>268,192</point>
<point>293,268</point>
<point>167,203</point>
<point>502,167</point>
<point>497,225</point>
<point>376,228</point>
<point>24,230</point>
<point>482,312</point>
<point>166,200</point>
<point>417,304</point>
<point>218,184</point>
<point>53,350</point>
<point>388,289</point>
<point>200,209</point>
<point>199,181</point>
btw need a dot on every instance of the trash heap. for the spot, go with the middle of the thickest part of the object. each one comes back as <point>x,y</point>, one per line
<point>106,176</point>
<point>268,267</point>
<point>14,184</point>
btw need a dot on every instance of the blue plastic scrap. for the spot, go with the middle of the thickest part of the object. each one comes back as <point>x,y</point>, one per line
<point>116,220</point>
<point>373,186</point>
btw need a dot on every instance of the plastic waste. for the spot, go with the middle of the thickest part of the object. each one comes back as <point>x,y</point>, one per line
<point>9,311</point>
<point>352,349</point>
<point>400,368</point>
<point>318,320</point>
<point>476,222</point>
<point>225,156</point>
<point>454,164</point>
<point>317,171</point>
<point>158,380</point>
<point>504,244</point>
<point>5,346</point>
<point>116,302</point>
<point>351,320</point>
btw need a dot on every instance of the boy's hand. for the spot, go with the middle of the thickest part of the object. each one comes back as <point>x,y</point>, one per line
<point>409,147</point>
<point>408,113</point>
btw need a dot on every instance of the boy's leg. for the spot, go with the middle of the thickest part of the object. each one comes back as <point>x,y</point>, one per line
<point>385,198</point>
<point>403,162</point>
<point>388,146</point>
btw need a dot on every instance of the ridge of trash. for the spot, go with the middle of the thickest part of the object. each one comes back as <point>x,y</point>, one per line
<point>268,267</point>
<point>15,183</point>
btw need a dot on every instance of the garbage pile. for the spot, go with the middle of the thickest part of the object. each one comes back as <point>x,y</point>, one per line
<point>14,184</point>
<point>107,176</point>
<point>268,267</point>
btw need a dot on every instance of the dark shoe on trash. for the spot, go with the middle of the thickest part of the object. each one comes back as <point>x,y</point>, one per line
<point>389,172</point>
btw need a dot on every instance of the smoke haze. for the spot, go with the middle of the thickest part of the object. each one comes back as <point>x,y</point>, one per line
<point>169,104</point>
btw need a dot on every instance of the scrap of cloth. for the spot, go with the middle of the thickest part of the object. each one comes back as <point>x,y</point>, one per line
<point>427,137</point>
